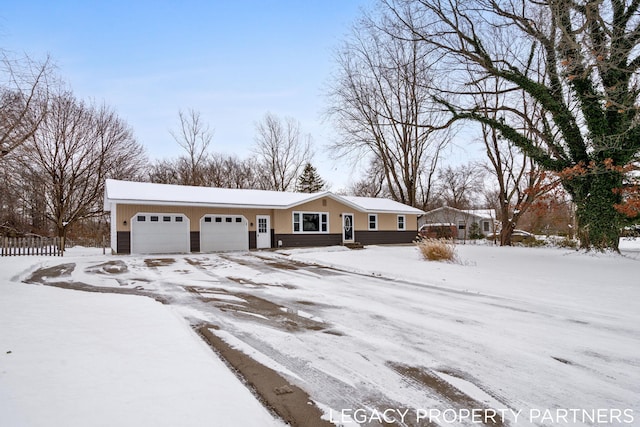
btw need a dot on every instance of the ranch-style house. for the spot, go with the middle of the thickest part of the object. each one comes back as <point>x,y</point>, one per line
<point>161,218</point>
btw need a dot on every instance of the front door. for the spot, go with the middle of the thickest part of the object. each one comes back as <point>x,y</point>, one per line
<point>263,231</point>
<point>347,228</point>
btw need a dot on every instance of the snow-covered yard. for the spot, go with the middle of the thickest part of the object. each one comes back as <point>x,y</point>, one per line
<point>528,336</point>
<point>70,358</point>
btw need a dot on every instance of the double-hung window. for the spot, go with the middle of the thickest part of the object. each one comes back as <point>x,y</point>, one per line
<point>310,222</point>
<point>402,223</point>
<point>373,221</point>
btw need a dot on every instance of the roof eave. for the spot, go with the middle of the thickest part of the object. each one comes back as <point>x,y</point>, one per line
<point>194,204</point>
<point>109,202</point>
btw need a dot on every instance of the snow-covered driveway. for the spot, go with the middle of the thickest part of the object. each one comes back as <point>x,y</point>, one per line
<point>507,335</point>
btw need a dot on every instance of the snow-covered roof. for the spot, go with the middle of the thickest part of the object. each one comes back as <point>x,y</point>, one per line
<point>478,213</point>
<point>129,192</point>
<point>482,213</point>
<point>375,204</point>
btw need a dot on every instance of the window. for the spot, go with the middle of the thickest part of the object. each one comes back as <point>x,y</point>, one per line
<point>485,226</point>
<point>373,221</point>
<point>262,225</point>
<point>154,218</point>
<point>207,219</point>
<point>166,218</point>
<point>178,219</point>
<point>461,225</point>
<point>401,222</point>
<point>141,218</point>
<point>296,222</point>
<point>218,219</point>
<point>310,222</point>
<point>228,219</point>
<point>238,219</point>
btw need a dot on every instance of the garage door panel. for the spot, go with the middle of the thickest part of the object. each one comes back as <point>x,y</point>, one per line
<point>224,233</point>
<point>157,233</point>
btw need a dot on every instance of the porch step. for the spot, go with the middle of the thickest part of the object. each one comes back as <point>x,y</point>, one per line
<point>356,245</point>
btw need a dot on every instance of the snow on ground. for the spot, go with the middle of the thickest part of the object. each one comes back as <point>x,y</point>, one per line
<point>533,328</point>
<point>559,276</point>
<point>70,358</point>
<point>513,329</point>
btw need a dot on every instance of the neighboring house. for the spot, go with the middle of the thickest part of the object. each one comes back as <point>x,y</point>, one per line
<point>462,220</point>
<point>160,218</point>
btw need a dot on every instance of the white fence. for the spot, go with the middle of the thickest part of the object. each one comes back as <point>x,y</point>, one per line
<point>22,246</point>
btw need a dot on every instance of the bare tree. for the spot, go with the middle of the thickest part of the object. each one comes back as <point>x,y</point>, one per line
<point>381,107</point>
<point>579,61</point>
<point>24,85</point>
<point>166,171</point>
<point>460,187</point>
<point>216,170</point>
<point>73,151</point>
<point>232,172</point>
<point>194,136</point>
<point>518,180</point>
<point>12,216</point>
<point>372,184</point>
<point>282,150</point>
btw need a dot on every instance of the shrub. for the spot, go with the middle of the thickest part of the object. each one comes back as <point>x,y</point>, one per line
<point>532,242</point>
<point>474,232</point>
<point>562,242</point>
<point>568,243</point>
<point>437,249</point>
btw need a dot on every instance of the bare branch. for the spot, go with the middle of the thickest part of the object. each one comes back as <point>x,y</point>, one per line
<point>25,86</point>
<point>283,150</point>
<point>194,136</point>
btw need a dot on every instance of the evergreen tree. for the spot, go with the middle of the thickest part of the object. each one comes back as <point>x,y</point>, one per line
<point>310,181</point>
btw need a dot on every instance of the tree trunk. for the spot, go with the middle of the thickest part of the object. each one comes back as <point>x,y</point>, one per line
<point>61,232</point>
<point>505,233</point>
<point>599,224</point>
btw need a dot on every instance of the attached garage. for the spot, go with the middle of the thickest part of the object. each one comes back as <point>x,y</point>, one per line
<point>162,218</point>
<point>224,233</point>
<point>158,233</point>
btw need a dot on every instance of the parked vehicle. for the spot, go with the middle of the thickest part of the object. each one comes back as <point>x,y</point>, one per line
<point>521,236</point>
<point>517,236</point>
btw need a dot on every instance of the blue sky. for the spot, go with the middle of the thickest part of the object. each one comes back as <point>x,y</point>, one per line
<point>233,61</point>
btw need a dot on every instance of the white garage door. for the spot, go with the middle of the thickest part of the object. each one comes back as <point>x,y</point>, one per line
<point>224,233</point>
<point>157,233</point>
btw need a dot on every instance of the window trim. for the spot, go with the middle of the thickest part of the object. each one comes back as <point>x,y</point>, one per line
<point>375,220</point>
<point>404,222</point>
<point>300,214</point>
